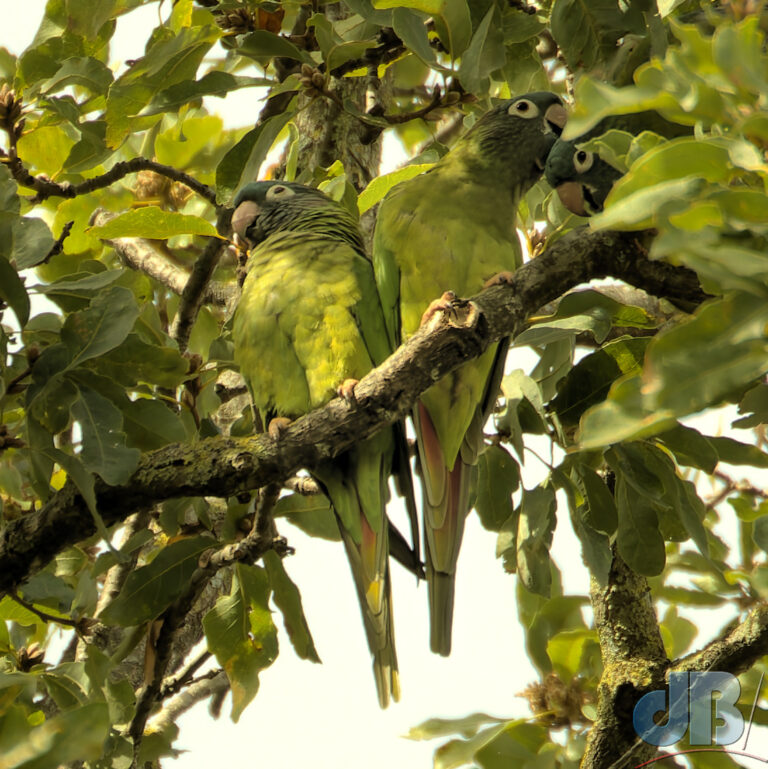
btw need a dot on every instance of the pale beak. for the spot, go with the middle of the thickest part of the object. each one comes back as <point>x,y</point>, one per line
<point>557,117</point>
<point>243,218</point>
<point>572,197</point>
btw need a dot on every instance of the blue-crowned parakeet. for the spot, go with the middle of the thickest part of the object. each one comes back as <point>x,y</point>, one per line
<point>581,177</point>
<point>452,229</point>
<point>308,324</point>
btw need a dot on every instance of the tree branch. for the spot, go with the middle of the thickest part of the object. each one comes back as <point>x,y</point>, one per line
<point>45,188</point>
<point>228,466</point>
<point>249,549</point>
<point>737,651</point>
<point>193,295</point>
<point>634,661</point>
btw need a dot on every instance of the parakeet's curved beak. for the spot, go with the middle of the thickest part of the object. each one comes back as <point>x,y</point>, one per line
<point>554,121</point>
<point>556,117</point>
<point>243,218</point>
<point>572,197</point>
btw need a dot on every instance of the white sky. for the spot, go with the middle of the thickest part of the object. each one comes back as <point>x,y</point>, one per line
<point>326,716</point>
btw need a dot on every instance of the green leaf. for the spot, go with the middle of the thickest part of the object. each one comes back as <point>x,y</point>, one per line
<point>150,424</point>
<point>241,164</point>
<point>442,727</point>
<point>135,360</point>
<point>585,30</point>
<point>240,632</point>
<point>534,538</point>
<point>13,293</point>
<point>411,28</point>
<point>84,71</point>
<point>590,380</point>
<point>312,514</point>
<point>569,650</point>
<point>153,222</point>
<point>737,453</point>
<point>597,321</point>
<point>691,448</point>
<point>31,243</point>
<point>698,363</point>
<point>76,735</point>
<point>601,513</point>
<point>381,185</point>
<point>151,589</point>
<point>452,19</point>
<point>498,477</point>
<point>216,83</point>
<point>47,147</point>
<point>486,53</point>
<point>638,537</point>
<point>101,327</point>
<point>170,58</point>
<point>288,599</point>
<point>262,45</point>
<point>104,450</point>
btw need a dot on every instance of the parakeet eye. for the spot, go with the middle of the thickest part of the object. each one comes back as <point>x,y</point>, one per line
<point>582,160</point>
<point>524,108</point>
<point>279,191</point>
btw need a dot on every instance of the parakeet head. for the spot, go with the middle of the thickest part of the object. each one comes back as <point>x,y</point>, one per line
<point>263,208</point>
<point>518,134</point>
<point>582,178</point>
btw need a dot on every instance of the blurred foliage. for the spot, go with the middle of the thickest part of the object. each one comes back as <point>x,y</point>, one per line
<point>93,374</point>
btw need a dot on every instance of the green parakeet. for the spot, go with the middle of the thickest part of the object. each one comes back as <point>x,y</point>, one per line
<point>308,322</point>
<point>581,177</point>
<point>453,229</point>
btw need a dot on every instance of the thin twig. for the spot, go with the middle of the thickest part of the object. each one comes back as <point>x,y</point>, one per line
<point>194,291</point>
<point>42,614</point>
<point>45,188</point>
<point>173,684</point>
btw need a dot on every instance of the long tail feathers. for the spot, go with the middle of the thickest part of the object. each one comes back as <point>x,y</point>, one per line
<point>370,569</point>
<point>446,505</point>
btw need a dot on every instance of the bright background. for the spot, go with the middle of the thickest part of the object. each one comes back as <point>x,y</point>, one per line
<point>326,716</point>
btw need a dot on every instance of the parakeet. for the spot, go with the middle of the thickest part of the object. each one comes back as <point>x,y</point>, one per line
<point>452,229</point>
<point>308,324</point>
<point>581,177</point>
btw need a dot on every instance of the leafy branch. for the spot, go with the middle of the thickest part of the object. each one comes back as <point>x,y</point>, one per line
<point>12,122</point>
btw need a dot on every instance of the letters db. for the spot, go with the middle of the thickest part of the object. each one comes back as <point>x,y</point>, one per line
<point>690,704</point>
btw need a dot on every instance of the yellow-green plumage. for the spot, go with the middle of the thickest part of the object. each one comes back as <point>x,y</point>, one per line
<point>453,229</point>
<point>308,319</point>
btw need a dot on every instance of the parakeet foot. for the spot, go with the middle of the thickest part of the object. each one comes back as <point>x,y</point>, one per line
<point>277,427</point>
<point>443,304</point>
<point>500,279</point>
<point>346,390</point>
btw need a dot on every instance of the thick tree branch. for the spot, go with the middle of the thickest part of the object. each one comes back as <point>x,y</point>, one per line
<point>228,466</point>
<point>634,661</point>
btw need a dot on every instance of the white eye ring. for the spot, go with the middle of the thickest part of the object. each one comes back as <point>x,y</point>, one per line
<point>583,160</point>
<point>279,191</point>
<point>524,108</point>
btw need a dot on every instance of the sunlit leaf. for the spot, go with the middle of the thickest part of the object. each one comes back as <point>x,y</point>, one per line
<point>151,589</point>
<point>153,222</point>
